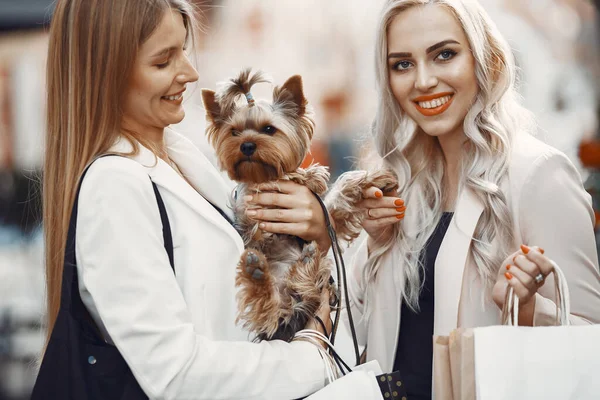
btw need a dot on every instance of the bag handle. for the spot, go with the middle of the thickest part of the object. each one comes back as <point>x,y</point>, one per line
<point>510,311</point>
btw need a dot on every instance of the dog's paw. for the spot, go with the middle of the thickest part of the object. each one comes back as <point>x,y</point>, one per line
<point>253,264</point>
<point>383,179</point>
<point>309,252</point>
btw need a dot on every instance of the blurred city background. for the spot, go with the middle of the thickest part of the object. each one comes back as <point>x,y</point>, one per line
<point>328,42</point>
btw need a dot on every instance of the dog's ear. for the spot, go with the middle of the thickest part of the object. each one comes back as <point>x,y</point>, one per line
<point>292,90</point>
<point>213,109</point>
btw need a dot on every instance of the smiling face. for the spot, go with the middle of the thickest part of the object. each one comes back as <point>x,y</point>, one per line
<point>160,74</point>
<point>431,69</point>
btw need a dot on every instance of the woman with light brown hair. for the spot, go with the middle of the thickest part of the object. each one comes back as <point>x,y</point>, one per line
<point>143,302</point>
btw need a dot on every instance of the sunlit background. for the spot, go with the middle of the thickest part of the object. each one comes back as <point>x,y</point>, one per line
<point>328,42</point>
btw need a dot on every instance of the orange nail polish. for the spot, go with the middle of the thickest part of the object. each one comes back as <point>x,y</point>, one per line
<point>508,275</point>
<point>400,209</point>
<point>524,249</point>
<point>541,250</point>
<point>508,267</point>
<point>378,195</point>
<point>400,216</point>
<point>399,203</point>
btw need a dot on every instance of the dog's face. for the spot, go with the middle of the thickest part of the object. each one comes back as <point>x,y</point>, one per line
<point>262,141</point>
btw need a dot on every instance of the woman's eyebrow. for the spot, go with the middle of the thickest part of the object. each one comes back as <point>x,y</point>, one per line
<point>429,49</point>
<point>164,52</point>
<point>440,44</point>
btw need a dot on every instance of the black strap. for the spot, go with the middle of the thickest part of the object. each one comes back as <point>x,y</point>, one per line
<point>167,238</point>
<point>70,297</point>
<point>339,263</point>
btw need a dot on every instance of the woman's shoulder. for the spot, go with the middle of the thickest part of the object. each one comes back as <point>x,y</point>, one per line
<point>529,150</point>
<point>535,164</point>
<point>115,173</point>
<point>530,155</point>
<point>116,164</point>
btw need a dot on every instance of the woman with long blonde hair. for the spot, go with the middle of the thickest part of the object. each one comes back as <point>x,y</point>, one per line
<point>142,302</point>
<point>486,202</point>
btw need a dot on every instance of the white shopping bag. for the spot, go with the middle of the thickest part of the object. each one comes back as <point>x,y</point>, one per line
<point>559,362</point>
<point>555,362</point>
<point>358,384</point>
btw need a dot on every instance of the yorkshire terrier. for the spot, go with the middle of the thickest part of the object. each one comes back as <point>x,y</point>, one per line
<point>280,277</point>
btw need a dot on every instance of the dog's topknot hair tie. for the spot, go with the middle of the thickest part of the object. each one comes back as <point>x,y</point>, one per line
<point>250,99</point>
<point>240,85</point>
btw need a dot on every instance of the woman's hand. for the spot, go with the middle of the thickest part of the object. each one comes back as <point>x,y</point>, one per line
<point>288,208</point>
<point>382,211</point>
<point>525,271</point>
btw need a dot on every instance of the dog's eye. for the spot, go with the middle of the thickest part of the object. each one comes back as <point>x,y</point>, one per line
<point>234,132</point>
<point>269,130</point>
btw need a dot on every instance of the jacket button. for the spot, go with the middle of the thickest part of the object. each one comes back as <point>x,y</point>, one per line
<point>92,360</point>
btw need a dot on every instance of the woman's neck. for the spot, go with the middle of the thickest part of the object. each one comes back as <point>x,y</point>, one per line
<point>151,135</point>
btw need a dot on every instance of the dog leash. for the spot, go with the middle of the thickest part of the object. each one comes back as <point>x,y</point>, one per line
<point>339,263</point>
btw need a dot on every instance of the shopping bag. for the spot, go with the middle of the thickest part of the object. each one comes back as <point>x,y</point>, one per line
<point>512,362</point>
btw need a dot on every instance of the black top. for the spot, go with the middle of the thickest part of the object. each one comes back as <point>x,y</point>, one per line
<point>414,354</point>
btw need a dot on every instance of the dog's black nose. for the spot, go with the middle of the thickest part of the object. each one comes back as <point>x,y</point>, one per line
<point>248,148</point>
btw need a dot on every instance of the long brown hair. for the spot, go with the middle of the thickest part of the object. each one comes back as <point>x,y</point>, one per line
<point>92,49</point>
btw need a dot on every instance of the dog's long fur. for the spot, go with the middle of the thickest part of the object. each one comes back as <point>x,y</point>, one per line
<point>280,278</point>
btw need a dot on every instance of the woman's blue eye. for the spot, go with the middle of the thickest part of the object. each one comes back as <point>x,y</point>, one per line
<point>446,54</point>
<point>401,65</point>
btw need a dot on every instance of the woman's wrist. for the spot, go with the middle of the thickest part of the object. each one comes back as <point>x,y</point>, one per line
<point>315,326</point>
<point>526,312</point>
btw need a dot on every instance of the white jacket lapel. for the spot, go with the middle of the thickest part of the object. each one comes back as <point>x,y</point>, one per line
<point>199,171</point>
<point>205,180</point>
<point>451,260</point>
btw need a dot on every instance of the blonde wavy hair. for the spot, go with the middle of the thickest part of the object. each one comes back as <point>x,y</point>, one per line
<point>93,45</point>
<point>490,125</point>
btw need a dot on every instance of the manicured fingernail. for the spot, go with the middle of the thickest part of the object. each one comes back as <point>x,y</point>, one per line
<point>524,249</point>
<point>247,198</point>
<point>378,194</point>
<point>508,267</point>
<point>261,225</point>
<point>541,250</point>
<point>508,275</point>
<point>250,213</point>
<point>399,202</point>
<point>400,216</point>
<point>515,259</point>
<point>401,209</point>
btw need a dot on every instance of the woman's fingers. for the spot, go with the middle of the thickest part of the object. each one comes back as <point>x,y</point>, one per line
<point>377,213</point>
<point>384,202</point>
<point>514,272</point>
<point>536,255</point>
<point>272,199</point>
<point>279,214</point>
<point>372,193</point>
<point>522,283</point>
<point>525,265</point>
<point>286,228</point>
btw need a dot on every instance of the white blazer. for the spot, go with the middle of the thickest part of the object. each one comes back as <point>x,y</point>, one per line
<point>176,332</point>
<point>550,209</point>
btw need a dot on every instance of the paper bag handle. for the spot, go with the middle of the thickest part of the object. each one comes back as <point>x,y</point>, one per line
<point>510,311</point>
